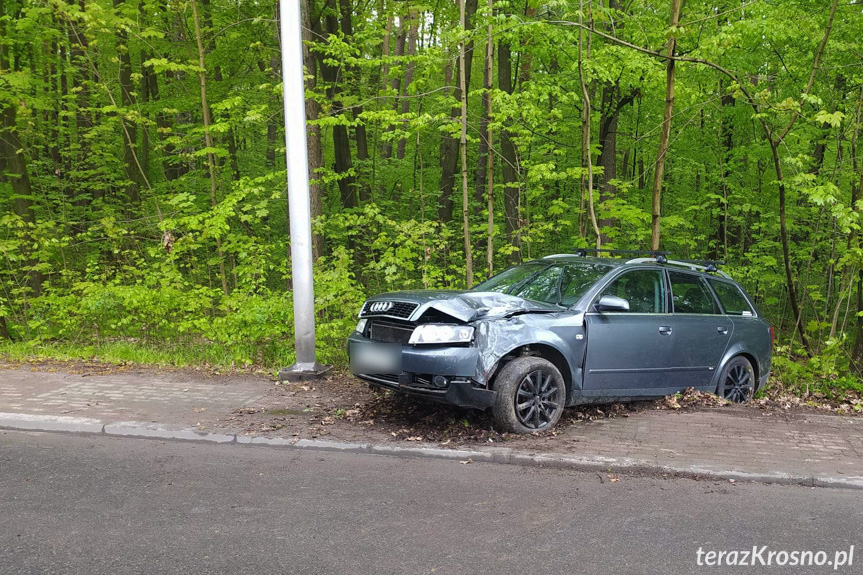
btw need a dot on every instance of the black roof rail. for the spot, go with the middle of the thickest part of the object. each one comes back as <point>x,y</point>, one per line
<point>709,265</point>
<point>582,252</point>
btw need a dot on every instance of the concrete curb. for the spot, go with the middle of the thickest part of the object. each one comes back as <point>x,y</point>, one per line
<point>499,455</point>
<point>50,423</point>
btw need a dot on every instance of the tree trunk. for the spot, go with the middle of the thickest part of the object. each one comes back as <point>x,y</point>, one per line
<point>586,157</point>
<point>726,148</point>
<point>208,139</point>
<point>853,237</point>
<point>608,119</point>
<point>666,126</point>
<point>449,145</point>
<point>775,142</point>
<point>508,168</point>
<point>313,134</point>
<point>395,85</point>
<point>468,253</point>
<point>610,107</point>
<point>484,145</point>
<point>15,162</point>
<point>341,139</point>
<point>127,100</point>
<point>409,75</point>
<point>81,80</point>
<point>276,102</point>
<point>362,181</point>
<point>177,165</point>
<point>786,256</point>
<point>612,102</point>
<point>489,62</point>
<point>144,89</point>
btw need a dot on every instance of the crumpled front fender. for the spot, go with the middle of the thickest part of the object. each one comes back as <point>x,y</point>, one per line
<point>497,338</point>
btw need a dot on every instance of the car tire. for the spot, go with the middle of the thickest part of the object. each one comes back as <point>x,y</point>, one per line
<point>540,386</point>
<point>737,380</point>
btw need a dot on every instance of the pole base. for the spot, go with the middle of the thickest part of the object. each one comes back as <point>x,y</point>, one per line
<point>303,372</point>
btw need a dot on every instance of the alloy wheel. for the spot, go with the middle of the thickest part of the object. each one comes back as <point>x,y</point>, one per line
<point>537,399</point>
<point>739,384</point>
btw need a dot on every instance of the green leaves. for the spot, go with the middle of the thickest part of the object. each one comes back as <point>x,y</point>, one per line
<point>832,119</point>
<point>125,236</point>
<point>165,65</point>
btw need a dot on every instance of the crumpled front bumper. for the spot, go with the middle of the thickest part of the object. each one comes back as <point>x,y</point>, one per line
<point>419,364</point>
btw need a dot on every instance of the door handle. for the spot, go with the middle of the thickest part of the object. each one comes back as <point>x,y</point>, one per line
<point>665,330</point>
<point>722,329</point>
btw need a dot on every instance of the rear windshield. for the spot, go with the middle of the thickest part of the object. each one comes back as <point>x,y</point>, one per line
<point>731,298</point>
<point>540,281</point>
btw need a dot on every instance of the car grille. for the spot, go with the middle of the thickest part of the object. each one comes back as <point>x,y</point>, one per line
<point>399,309</point>
<point>390,332</point>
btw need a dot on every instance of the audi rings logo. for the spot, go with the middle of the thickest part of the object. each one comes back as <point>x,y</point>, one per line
<point>380,306</point>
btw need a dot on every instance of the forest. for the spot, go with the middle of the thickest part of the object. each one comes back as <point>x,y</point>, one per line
<point>142,171</point>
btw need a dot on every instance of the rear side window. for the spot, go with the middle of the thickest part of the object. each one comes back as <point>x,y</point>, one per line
<point>691,294</point>
<point>643,289</point>
<point>731,298</point>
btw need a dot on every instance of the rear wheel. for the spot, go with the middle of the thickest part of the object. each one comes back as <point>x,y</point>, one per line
<point>530,395</point>
<point>737,380</point>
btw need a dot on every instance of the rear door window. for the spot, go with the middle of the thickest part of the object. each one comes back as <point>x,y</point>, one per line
<point>731,298</point>
<point>691,294</point>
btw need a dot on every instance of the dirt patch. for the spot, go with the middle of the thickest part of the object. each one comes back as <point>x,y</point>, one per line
<point>342,407</point>
<point>72,366</point>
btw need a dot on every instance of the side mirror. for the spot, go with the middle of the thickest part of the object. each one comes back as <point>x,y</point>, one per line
<point>612,303</point>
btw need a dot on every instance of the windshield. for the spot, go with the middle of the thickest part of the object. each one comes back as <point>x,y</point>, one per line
<point>540,281</point>
<point>506,280</point>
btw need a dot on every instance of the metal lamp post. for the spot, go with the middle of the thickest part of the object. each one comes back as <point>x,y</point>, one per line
<point>296,155</point>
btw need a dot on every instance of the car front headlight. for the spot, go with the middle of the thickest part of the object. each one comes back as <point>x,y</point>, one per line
<point>441,333</point>
<point>361,326</point>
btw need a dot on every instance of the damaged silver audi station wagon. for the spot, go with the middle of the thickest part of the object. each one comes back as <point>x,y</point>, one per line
<point>566,330</point>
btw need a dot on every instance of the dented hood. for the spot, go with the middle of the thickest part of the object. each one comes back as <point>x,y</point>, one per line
<point>467,306</point>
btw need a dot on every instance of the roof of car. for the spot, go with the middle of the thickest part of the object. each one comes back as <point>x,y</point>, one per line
<point>618,262</point>
<point>562,258</point>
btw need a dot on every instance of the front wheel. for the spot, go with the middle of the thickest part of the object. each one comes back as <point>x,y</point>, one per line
<point>737,381</point>
<point>530,395</point>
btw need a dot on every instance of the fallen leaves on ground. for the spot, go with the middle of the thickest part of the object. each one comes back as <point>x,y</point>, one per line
<point>343,406</point>
<point>778,396</point>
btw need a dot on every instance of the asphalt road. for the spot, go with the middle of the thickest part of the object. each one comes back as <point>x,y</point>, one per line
<point>82,505</point>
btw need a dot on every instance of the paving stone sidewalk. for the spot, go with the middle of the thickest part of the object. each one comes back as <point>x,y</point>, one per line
<point>736,438</point>
<point>109,395</point>
<point>719,441</point>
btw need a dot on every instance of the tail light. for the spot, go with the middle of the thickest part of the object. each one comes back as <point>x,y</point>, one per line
<point>772,337</point>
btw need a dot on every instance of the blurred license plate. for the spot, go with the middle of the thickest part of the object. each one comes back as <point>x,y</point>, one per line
<point>375,358</point>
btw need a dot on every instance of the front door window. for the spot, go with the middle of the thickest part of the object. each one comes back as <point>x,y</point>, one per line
<point>642,289</point>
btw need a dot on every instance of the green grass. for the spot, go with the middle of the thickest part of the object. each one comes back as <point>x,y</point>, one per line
<point>181,355</point>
